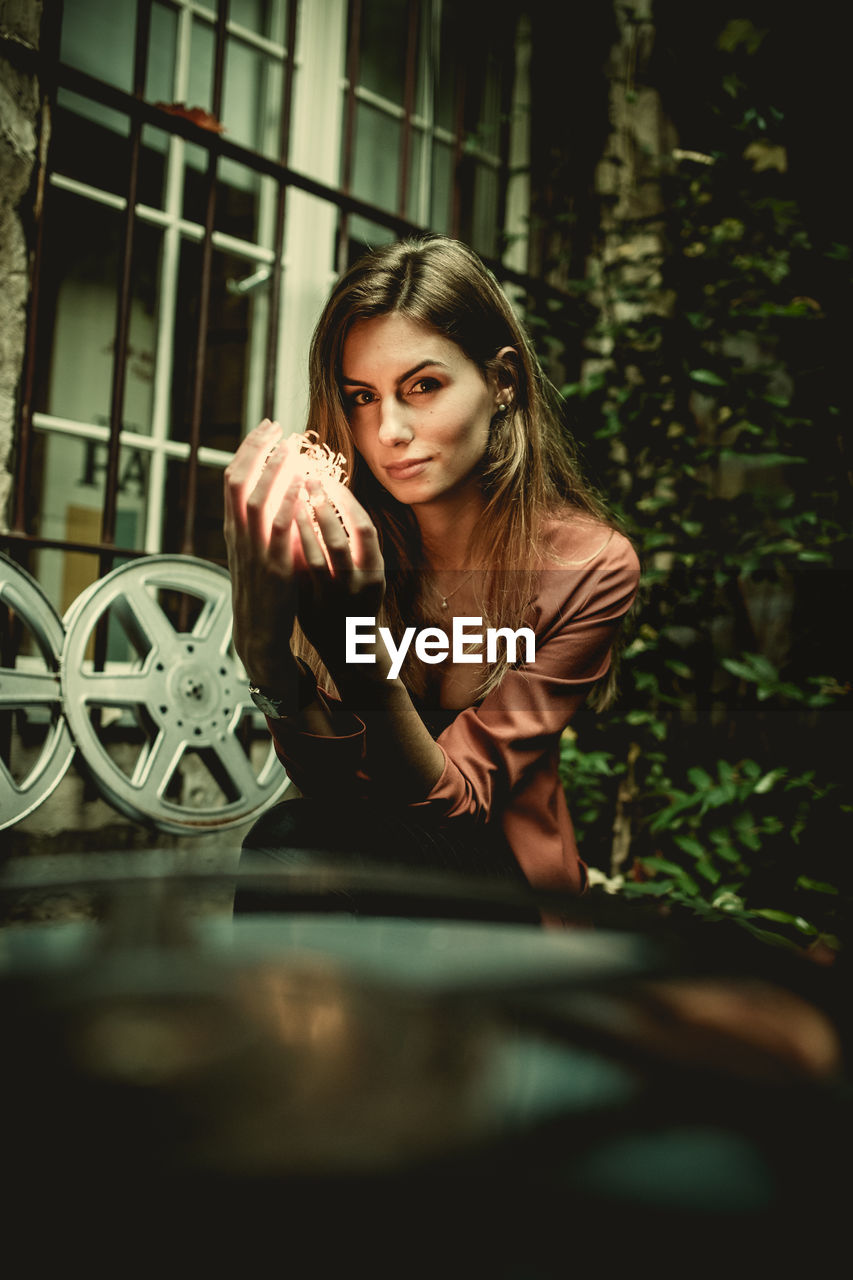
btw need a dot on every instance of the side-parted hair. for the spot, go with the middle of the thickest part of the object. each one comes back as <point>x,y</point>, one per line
<point>530,472</point>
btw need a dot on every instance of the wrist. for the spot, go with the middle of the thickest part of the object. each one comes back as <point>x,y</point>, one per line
<point>289,691</point>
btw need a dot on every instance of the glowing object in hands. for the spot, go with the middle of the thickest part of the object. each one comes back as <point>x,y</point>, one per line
<point>303,455</point>
<point>313,460</point>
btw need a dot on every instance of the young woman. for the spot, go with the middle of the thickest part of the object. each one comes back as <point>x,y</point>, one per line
<point>465,511</point>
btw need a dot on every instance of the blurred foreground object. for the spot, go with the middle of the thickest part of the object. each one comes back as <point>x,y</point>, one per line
<point>259,1082</point>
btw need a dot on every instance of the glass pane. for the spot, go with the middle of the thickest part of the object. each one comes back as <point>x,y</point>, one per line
<point>420,180</point>
<point>77,306</point>
<point>488,127</point>
<point>451,69</point>
<point>236,348</point>
<point>251,112</point>
<point>264,17</point>
<point>153,156</point>
<point>160,72</point>
<point>70,478</point>
<point>484,232</point>
<point>382,52</point>
<point>195,169</point>
<point>245,204</point>
<point>442,186</point>
<point>61,582</point>
<point>83,245</point>
<point>142,331</point>
<point>98,36</point>
<point>203,46</point>
<point>208,540</point>
<point>89,143</point>
<point>376,162</point>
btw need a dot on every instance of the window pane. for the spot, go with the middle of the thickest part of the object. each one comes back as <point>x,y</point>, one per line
<point>208,539</point>
<point>89,143</point>
<point>382,54</point>
<point>245,200</point>
<point>236,338</point>
<point>160,72</point>
<point>195,167</point>
<point>78,307</point>
<point>251,112</point>
<point>376,163</point>
<point>203,46</point>
<point>245,204</point>
<point>484,231</point>
<point>417,197</point>
<point>489,123</point>
<point>98,36</point>
<point>451,70</point>
<point>70,479</point>
<point>153,156</point>
<point>83,243</point>
<point>264,17</point>
<point>442,186</point>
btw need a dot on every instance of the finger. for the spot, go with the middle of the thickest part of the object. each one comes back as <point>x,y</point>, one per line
<point>279,544</point>
<point>243,470</point>
<point>273,482</point>
<point>312,547</point>
<point>332,532</point>
<point>364,540</point>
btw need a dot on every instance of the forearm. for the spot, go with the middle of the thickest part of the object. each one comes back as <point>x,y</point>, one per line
<point>402,758</point>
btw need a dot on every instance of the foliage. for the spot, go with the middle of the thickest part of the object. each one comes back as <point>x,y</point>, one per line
<point>705,404</point>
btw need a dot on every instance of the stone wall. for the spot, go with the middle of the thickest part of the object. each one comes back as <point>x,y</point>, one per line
<point>22,131</point>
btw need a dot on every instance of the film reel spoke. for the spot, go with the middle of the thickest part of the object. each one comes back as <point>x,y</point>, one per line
<point>26,688</point>
<point>138,610</point>
<point>156,769</point>
<point>35,745</point>
<point>234,764</point>
<point>114,689</point>
<point>167,728</point>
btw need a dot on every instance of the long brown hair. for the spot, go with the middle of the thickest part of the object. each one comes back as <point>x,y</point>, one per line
<point>530,471</point>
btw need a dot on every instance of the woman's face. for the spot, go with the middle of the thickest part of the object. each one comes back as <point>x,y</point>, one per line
<point>418,408</point>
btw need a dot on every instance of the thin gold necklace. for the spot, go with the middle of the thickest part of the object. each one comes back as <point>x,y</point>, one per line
<point>445,598</point>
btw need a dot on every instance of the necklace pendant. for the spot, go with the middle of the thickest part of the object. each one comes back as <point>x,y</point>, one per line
<point>444,602</point>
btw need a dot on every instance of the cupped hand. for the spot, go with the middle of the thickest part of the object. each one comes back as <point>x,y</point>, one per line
<point>260,502</point>
<point>340,566</point>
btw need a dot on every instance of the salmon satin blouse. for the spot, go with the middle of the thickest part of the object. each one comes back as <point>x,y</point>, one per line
<point>501,753</point>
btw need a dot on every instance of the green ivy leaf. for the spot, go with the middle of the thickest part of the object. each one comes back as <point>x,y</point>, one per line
<point>815,886</point>
<point>768,782</point>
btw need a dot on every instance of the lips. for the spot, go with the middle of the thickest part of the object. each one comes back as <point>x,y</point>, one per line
<point>407,470</point>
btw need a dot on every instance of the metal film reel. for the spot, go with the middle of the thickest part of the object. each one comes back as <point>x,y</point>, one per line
<point>166,725</point>
<point>35,745</point>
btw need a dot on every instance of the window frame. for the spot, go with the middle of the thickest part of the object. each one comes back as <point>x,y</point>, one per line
<point>306,43</point>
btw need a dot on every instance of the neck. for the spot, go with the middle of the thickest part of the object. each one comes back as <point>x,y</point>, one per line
<point>447,530</point>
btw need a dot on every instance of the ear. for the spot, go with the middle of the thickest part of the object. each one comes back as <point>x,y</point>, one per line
<point>505,372</point>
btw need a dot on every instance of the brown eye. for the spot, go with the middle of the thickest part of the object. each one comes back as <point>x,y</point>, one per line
<point>359,399</point>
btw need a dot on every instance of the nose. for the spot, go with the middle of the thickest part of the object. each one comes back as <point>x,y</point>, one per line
<point>393,427</point>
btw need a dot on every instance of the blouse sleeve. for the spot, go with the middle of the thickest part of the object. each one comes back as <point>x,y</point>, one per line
<point>313,760</point>
<point>489,748</point>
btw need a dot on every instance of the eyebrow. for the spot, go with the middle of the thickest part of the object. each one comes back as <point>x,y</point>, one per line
<point>424,364</point>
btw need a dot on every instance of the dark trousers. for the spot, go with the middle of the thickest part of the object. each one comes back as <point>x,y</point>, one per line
<point>457,867</point>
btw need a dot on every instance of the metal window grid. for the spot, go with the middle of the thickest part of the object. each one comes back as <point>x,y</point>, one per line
<point>56,75</point>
